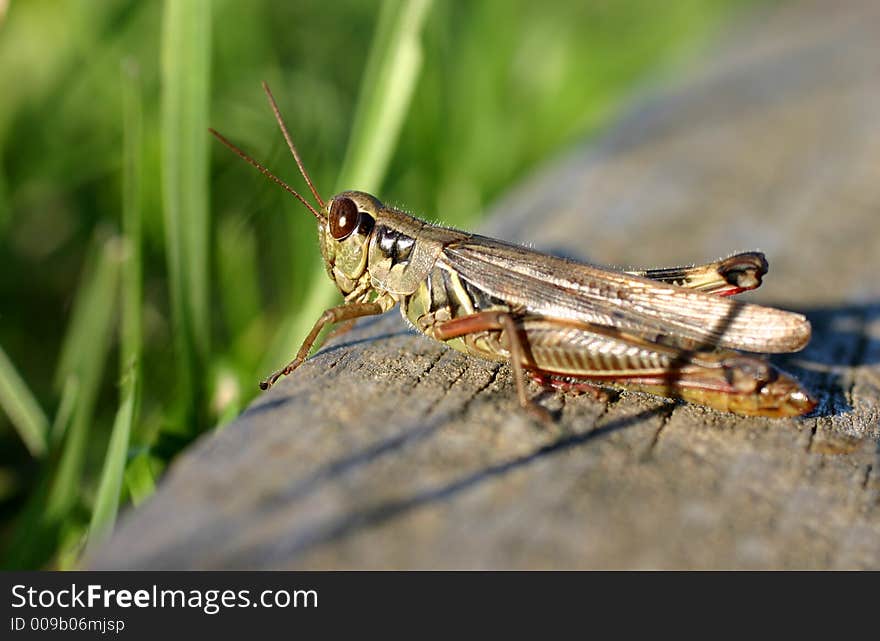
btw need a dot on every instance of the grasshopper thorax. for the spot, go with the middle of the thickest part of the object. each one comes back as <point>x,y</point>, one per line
<point>345,234</point>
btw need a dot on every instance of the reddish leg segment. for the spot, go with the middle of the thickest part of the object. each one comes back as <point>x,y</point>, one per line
<point>517,345</point>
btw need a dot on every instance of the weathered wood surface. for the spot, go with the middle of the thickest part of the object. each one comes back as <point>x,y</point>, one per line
<point>390,451</point>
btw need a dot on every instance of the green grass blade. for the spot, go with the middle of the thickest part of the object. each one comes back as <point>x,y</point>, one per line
<point>238,275</point>
<point>391,73</point>
<point>64,413</point>
<point>33,539</point>
<point>131,335</point>
<point>98,280</point>
<point>140,478</point>
<point>110,485</point>
<point>36,536</point>
<point>71,537</point>
<point>89,341</point>
<point>389,79</point>
<point>22,408</point>
<point>185,73</point>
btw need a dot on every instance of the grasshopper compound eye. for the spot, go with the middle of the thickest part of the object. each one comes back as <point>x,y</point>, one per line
<point>343,218</point>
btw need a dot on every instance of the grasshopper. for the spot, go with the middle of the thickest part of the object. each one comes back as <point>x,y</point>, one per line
<point>672,332</point>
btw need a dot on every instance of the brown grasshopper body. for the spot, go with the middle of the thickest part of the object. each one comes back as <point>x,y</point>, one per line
<point>568,324</point>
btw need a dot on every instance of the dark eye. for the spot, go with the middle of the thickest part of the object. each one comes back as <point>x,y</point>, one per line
<point>343,218</point>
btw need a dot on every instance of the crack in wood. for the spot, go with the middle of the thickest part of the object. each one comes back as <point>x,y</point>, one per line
<point>665,416</point>
<point>430,367</point>
<point>493,377</point>
<point>812,437</point>
<point>447,388</point>
<point>860,348</point>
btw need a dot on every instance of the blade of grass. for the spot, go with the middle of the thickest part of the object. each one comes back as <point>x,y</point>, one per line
<point>110,485</point>
<point>140,478</point>
<point>185,71</point>
<point>36,536</point>
<point>238,273</point>
<point>84,356</point>
<point>77,348</point>
<point>34,540</point>
<point>71,538</point>
<point>131,337</point>
<point>64,413</point>
<point>22,408</point>
<point>389,80</point>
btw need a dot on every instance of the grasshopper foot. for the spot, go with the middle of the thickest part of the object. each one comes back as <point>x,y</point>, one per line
<point>271,380</point>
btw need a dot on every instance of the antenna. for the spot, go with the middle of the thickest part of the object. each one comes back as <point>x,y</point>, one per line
<point>290,144</point>
<point>268,174</point>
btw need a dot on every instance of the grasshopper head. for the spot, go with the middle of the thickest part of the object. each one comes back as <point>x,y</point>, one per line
<point>345,222</point>
<point>345,235</point>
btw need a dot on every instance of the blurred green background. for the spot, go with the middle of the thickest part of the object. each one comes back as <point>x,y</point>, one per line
<point>150,278</point>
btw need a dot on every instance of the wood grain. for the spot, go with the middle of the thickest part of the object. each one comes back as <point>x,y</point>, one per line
<point>389,451</point>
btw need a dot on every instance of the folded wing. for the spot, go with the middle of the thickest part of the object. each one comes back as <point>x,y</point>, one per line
<point>562,288</point>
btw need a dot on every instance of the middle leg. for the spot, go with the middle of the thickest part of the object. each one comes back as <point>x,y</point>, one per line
<point>519,354</point>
